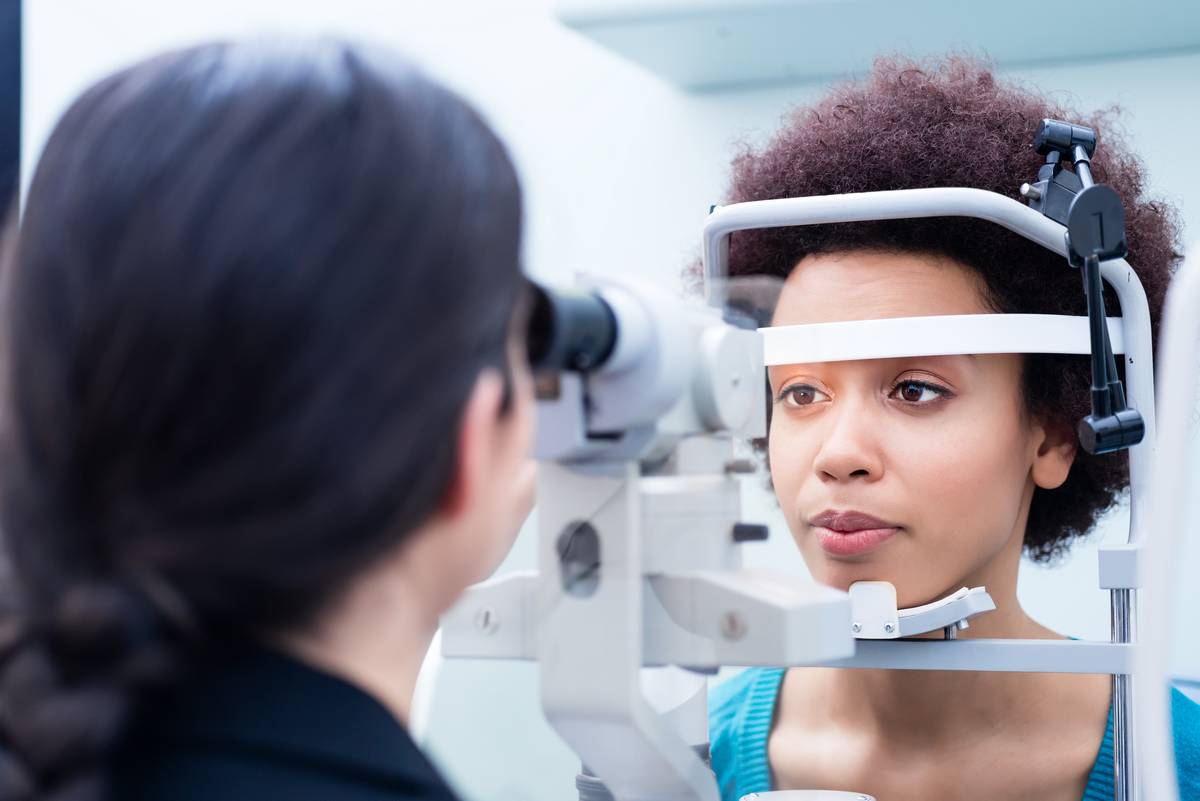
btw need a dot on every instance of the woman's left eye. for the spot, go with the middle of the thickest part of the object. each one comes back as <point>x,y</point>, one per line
<point>918,392</point>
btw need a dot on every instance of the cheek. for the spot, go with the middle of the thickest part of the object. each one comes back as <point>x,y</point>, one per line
<point>973,456</point>
<point>791,454</point>
<point>526,419</point>
<point>951,462</point>
<point>965,482</point>
<point>523,413</point>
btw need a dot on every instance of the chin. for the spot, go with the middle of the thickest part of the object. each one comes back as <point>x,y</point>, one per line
<point>841,574</point>
<point>909,592</point>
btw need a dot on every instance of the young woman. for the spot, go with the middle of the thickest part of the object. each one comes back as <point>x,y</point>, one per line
<point>265,416</point>
<point>931,473</point>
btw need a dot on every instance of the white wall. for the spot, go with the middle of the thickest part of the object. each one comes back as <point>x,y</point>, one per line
<point>619,169</point>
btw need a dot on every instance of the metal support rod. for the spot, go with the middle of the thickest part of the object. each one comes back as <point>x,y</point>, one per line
<point>1102,405</point>
<point>1124,769</point>
<point>1083,166</point>
<point>1000,655</point>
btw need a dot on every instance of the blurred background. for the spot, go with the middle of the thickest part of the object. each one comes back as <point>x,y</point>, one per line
<point>622,118</point>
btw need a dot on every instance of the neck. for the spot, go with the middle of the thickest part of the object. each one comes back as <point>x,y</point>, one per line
<point>938,706</point>
<point>374,636</point>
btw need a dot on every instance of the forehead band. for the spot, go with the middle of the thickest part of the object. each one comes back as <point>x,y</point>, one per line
<point>944,335</point>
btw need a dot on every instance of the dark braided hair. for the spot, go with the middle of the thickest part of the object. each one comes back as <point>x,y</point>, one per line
<point>952,123</point>
<point>252,289</point>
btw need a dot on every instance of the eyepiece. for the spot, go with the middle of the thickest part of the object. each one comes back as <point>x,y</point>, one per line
<point>1063,137</point>
<point>570,330</point>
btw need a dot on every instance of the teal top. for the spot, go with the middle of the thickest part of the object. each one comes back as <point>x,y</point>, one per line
<point>740,711</point>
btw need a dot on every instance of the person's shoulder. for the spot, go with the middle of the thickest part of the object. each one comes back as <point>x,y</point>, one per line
<point>258,724</point>
<point>731,691</point>
<point>1185,719</point>
<point>729,697</point>
<point>199,774</point>
<point>739,718</point>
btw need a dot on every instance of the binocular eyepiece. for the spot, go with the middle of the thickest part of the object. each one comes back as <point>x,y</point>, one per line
<point>574,331</point>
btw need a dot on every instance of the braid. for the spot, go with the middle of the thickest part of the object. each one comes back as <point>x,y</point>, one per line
<point>70,680</point>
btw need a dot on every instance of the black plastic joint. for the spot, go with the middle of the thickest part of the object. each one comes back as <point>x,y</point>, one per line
<point>750,532</point>
<point>1113,433</point>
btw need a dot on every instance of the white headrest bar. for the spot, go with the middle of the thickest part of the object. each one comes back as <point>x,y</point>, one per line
<point>944,335</point>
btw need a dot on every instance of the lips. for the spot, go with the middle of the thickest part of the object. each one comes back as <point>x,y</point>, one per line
<point>850,533</point>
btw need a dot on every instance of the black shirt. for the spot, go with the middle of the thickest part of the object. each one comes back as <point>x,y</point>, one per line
<point>263,726</point>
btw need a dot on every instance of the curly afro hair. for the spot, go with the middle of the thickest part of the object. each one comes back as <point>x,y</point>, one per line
<point>952,123</point>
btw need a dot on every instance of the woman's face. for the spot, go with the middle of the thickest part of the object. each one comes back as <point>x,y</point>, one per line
<point>918,471</point>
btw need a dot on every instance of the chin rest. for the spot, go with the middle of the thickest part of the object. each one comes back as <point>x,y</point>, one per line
<point>876,617</point>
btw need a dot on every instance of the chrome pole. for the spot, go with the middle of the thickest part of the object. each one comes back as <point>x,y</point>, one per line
<point>1124,773</point>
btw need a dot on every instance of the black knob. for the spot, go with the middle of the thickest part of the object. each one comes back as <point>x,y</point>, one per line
<point>1116,432</point>
<point>750,532</point>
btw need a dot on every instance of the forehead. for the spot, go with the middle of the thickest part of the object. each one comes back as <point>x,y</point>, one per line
<point>867,285</point>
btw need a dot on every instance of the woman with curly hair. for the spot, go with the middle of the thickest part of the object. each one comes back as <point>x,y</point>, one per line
<point>932,473</point>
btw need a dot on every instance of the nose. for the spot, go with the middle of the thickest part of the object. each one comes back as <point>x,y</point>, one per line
<point>849,449</point>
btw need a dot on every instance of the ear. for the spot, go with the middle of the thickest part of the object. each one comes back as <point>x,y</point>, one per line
<point>477,437</point>
<point>1054,455</point>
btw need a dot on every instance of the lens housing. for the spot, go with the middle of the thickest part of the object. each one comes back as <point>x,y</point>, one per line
<point>570,331</point>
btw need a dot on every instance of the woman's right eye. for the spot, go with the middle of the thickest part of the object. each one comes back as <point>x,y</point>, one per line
<point>801,395</point>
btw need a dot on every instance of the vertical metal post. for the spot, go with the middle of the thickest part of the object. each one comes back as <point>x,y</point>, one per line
<point>590,636</point>
<point>1124,768</point>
